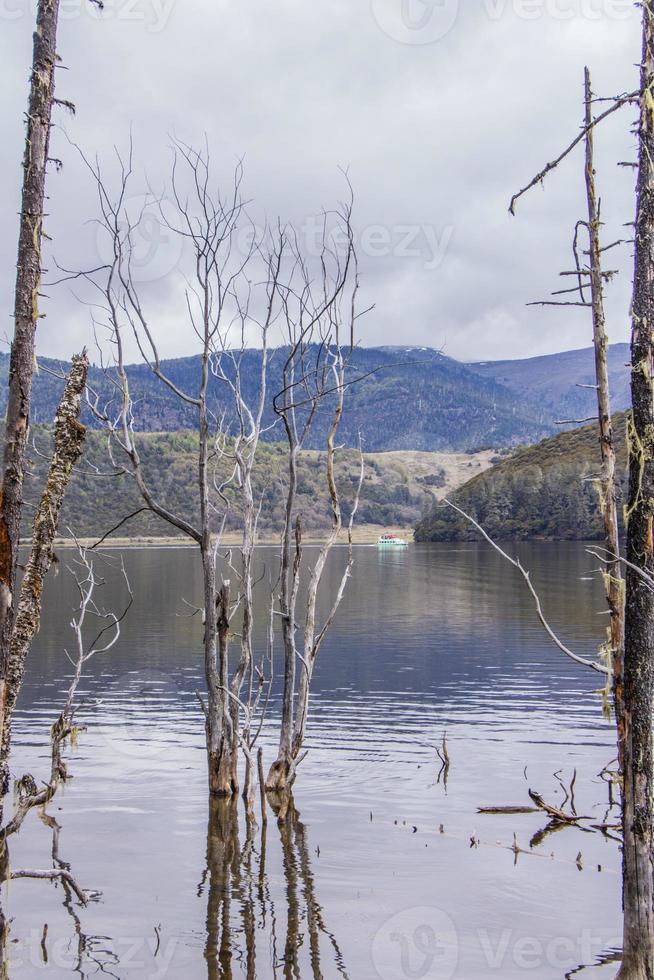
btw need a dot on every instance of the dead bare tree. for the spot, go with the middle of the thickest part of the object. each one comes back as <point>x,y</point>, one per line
<point>589,292</point>
<point>635,732</point>
<point>637,815</point>
<point>26,313</point>
<point>229,297</point>
<point>26,316</point>
<point>613,582</point>
<point>320,327</point>
<point>221,312</point>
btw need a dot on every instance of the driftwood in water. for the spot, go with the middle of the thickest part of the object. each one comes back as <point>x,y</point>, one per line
<point>554,812</point>
<point>507,809</point>
<point>54,874</point>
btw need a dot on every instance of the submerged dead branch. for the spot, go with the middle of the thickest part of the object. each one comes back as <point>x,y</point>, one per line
<point>509,810</point>
<point>554,812</point>
<point>54,874</point>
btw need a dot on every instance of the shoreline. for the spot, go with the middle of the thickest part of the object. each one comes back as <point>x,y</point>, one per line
<point>365,534</point>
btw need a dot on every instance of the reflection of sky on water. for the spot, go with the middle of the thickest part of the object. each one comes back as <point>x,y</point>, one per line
<point>430,638</point>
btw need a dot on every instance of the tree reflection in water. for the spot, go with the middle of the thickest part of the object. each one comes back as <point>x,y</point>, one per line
<point>243,918</point>
<point>84,954</point>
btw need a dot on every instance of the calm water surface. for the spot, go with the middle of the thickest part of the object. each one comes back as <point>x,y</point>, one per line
<point>382,871</point>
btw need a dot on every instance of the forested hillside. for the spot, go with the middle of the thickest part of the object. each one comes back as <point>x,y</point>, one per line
<point>545,491</point>
<point>397,487</point>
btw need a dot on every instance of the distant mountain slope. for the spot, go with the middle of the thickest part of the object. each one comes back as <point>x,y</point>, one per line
<point>546,491</point>
<point>408,398</point>
<point>552,380</point>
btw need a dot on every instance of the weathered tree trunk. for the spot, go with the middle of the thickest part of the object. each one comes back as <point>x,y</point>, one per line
<point>68,447</point>
<point>638,942</point>
<point>218,718</point>
<point>282,772</point>
<point>295,705</point>
<point>311,643</point>
<point>26,315</point>
<point>216,612</point>
<point>315,370</point>
<point>245,662</point>
<point>614,582</point>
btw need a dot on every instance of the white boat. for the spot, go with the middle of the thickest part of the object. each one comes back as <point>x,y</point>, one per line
<point>391,541</point>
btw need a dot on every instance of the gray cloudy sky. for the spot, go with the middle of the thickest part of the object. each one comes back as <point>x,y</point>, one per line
<point>439,109</point>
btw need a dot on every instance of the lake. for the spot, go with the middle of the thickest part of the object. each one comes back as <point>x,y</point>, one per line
<point>383,870</point>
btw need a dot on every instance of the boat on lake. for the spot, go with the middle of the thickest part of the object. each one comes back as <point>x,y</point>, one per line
<point>391,541</point>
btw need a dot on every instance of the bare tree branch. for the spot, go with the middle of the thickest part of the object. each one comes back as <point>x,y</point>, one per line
<point>594,665</point>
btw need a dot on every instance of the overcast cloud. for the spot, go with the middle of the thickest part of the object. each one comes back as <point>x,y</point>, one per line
<point>439,110</point>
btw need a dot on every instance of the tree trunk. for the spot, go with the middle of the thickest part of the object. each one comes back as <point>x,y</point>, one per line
<point>281,775</point>
<point>68,447</point>
<point>216,611</point>
<point>614,583</point>
<point>218,730</point>
<point>638,942</point>
<point>26,314</point>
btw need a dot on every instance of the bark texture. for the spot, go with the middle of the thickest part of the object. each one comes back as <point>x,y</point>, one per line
<point>68,447</point>
<point>614,582</point>
<point>26,315</point>
<point>220,745</point>
<point>638,942</point>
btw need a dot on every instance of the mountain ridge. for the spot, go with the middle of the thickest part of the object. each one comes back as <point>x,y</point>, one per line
<point>409,398</point>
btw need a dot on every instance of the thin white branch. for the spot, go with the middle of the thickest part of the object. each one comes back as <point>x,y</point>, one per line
<point>593,664</point>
